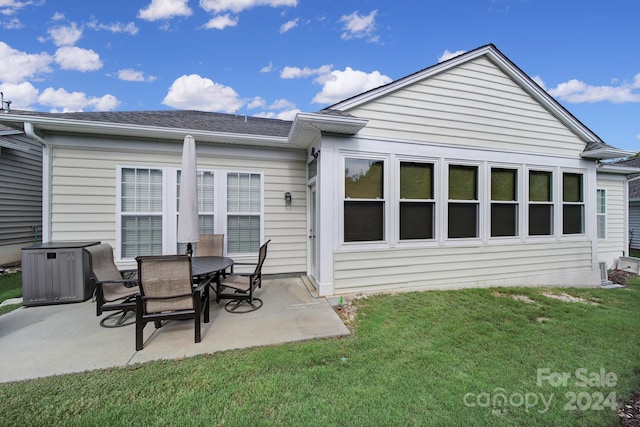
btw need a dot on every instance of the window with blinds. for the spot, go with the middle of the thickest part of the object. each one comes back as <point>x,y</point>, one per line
<point>141,212</point>
<point>244,212</point>
<point>206,204</point>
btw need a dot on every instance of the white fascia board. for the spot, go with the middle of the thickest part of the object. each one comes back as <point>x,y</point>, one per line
<point>621,170</point>
<point>141,131</point>
<point>307,126</point>
<point>606,154</point>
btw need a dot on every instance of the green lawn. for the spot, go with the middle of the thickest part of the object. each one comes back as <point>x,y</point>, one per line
<point>494,357</point>
<point>10,287</point>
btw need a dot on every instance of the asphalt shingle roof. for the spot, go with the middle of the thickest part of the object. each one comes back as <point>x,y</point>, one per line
<point>181,119</point>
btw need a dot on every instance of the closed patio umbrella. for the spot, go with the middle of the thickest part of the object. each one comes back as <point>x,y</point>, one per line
<point>188,219</point>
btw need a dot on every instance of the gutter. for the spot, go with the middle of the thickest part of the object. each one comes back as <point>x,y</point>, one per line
<point>30,131</point>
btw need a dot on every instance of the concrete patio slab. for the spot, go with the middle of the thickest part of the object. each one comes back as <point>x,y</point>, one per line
<point>59,339</point>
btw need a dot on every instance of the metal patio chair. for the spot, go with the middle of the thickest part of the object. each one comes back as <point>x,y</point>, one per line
<point>167,293</point>
<point>115,290</point>
<point>243,286</point>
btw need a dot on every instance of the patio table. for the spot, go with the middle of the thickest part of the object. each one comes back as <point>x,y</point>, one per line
<point>208,265</point>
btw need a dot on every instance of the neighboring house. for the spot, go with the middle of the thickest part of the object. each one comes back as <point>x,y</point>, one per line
<point>634,202</point>
<point>20,193</point>
<point>464,174</point>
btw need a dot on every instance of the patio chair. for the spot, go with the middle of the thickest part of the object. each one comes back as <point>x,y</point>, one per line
<point>115,290</point>
<point>211,245</point>
<point>243,286</point>
<point>167,293</point>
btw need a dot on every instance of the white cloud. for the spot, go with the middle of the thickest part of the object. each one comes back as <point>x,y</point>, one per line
<point>79,59</point>
<point>17,66</point>
<point>256,102</point>
<point>339,85</point>
<point>199,93</point>
<point>448,55</point>
<point>267,68</point>
<point>12,24</point>
<point>237,6</point>
<point>297,73</point>
<point>11,7</point>
<point>289,25</point>
<point>22,95</point>
<point>359,26</point>
<point>221,22</point>
<point>65,36</point>
<point>576,91</point>
<point>60,99</point>
<point>282,115</point>
<point>131,75</point>
<point>57,16</point>
<point>282,104</point>
<point>116,27</point>
<point>165,9</point>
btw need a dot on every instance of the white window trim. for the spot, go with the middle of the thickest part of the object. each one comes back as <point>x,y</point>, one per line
<point>387,211</point>
<point>598,214</point>
<point>556,224</point>
<point>522,226</point>
<point>481,200</point>
<point>170,208</point>
<point>437,232</point>
<point>561,203</point>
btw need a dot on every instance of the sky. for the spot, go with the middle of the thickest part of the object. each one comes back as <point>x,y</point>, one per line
<point>275,58</point>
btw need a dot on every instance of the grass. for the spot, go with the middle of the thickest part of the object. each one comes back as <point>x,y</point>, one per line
<point>10,287</point>
<point>430,358</point>
<point>634,253</point>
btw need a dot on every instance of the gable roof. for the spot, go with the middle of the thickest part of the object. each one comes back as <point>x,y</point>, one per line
<point>594,146</point>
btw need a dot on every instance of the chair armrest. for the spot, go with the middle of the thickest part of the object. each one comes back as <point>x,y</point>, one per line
<point>129,283</point>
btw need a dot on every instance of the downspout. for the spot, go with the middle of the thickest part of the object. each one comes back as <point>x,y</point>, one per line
<point>30,131</point>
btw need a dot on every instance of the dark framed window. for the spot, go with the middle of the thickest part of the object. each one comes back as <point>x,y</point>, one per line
<point>364,200</point>
<point>540,203</point>
<point>416,201</point>
<point>504,202</point>
<point>463,207</point>
<point>572,203</point>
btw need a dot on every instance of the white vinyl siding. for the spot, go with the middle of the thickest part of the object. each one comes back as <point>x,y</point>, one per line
<point>474,105</point>
<point>535,264</point>
<point>615,244</point>
<point>83,202</point>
